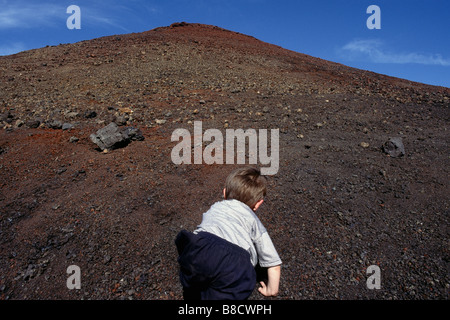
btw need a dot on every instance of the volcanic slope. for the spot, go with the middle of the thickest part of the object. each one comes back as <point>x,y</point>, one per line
<point>337,205</point>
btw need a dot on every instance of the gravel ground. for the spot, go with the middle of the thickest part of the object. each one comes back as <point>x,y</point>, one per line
<point>338,204</point>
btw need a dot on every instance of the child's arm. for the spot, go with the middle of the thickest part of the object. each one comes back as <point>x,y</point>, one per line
<point>273,282</point>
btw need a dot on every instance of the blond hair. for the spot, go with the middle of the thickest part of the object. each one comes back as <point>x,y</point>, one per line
<point>246,185</point>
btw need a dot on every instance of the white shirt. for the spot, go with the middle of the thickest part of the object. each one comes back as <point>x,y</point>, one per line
<point>235,222</point>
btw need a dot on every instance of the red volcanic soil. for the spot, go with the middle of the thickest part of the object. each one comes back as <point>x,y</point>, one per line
<point>337,205</point>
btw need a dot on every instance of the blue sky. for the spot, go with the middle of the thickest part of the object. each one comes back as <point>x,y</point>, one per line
<point>413,42</point>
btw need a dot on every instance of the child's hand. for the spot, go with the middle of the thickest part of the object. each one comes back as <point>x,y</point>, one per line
<point>264,290</point>
<point>271,289</point>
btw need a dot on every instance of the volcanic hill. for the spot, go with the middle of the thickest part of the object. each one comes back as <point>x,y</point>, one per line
<point>338,204</point>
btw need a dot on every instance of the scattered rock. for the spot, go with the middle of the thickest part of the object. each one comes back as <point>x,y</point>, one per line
<point>179,24</point>
<point>133,133</point>
<point>72,114</point>
<point>73,139</point>
<point>7,117</point>
<point>108,137</point>
<point>30,272</point>
<point>67,126</point>
<point>89,114</point>
<point>121,120</point>
<point>55,124</point>
<point>33,123</point>
<point>18,123</point>
<point>394,147</point>
<point>126,110</point>
<point>113,137</point>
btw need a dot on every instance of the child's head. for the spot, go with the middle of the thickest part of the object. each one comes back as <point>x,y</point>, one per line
<point>246,185</point>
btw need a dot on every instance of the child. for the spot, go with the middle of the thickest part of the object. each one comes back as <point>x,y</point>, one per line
<point>217,261</point>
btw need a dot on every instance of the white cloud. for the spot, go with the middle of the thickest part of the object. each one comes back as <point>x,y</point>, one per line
<point>374,50</point>
<point>21,15</point>
<point>96,18</point>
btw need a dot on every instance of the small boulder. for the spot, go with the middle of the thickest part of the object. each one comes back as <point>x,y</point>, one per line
<point>113,137</point>
<point>133,133</point>
<point>73,139</point>
<point>55,124</point>
<point>394,147</point>
<point>89,114</point>
<point>33,123</point>
<point>67,126</point>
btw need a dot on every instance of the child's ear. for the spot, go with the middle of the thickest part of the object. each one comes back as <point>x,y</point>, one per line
<point>224,193</point>
<point>258,204</point>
